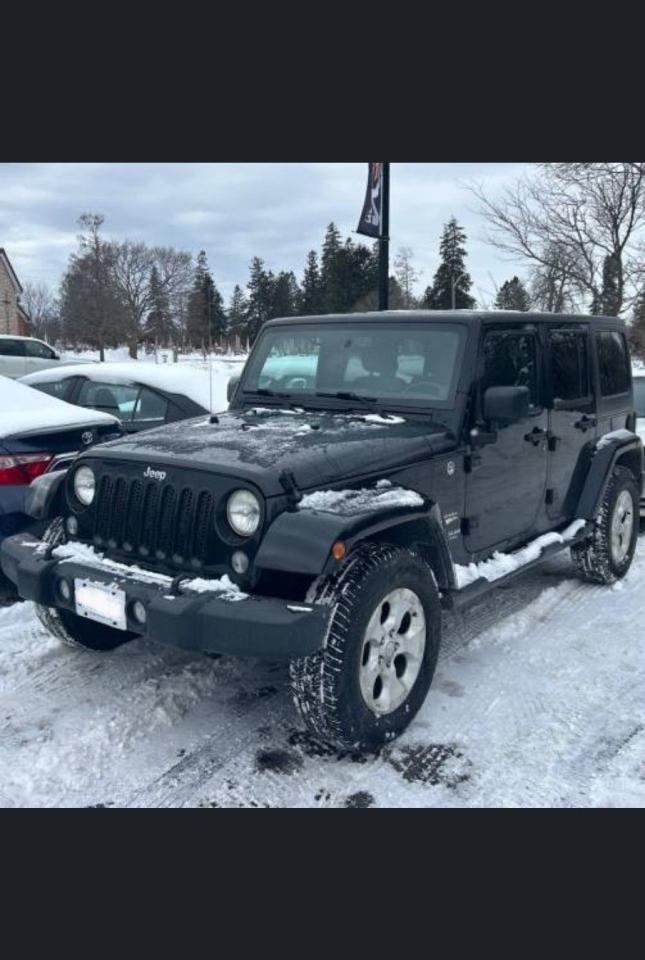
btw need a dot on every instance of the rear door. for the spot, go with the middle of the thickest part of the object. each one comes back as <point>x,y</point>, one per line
<point>12,358</point>
<point>505,489</point>
<point>572,415</point>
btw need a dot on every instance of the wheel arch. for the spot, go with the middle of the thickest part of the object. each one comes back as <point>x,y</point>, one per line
<point>622,449</point>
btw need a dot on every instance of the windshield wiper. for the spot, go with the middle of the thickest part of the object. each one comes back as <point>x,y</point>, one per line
<point>348,395</point>
<point>265,392</point>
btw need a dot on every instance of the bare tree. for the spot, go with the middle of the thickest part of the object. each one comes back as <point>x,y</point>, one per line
<point>406,275</point>
<point>576,215</point>
<point>40,307</point>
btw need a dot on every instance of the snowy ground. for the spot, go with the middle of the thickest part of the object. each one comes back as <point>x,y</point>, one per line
<point>539,700</point>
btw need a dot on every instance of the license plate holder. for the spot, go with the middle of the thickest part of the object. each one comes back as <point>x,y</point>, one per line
<point>101,602</point>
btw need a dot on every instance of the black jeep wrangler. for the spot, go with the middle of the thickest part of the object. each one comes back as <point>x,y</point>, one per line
<point>371,469</point>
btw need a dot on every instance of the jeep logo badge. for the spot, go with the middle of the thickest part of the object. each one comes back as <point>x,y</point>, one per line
<point>154,474</point>
<point>87,437</point>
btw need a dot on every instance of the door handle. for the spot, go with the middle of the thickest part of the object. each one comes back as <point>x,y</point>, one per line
<point>535,436</point>
<point>585,423</point>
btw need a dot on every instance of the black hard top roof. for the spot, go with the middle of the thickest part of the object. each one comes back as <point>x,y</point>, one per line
<point>453,316</point>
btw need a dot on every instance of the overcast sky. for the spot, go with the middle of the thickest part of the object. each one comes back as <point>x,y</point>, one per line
<point>238,210</point>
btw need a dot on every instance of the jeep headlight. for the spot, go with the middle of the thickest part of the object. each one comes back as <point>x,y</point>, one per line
<point>243,512</point>
<point>84,485</point>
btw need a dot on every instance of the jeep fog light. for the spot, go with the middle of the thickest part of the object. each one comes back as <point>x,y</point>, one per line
<point>240,561</point>
<point>243,512</point>
<point>84,485</point>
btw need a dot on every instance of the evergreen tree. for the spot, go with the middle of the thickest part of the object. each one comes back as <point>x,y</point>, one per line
<point>237,314</point>
<point>636,329</point>
<point>512,295</point>
<point>311,291</point>
<point>259,297</point>
<point>159,325</point>
<point>284,295</point>
<point>611,299</point>
<point>452,269</point>
<point>206,320</point>
<point>332,284</point>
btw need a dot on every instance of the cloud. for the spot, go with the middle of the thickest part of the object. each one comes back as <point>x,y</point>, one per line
<point>276,211</point>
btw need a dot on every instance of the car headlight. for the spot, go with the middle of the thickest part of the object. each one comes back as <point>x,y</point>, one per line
<point>243,512</point>
<point>84,485</point>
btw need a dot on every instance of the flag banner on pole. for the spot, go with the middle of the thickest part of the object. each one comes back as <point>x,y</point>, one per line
<point>371,222</point>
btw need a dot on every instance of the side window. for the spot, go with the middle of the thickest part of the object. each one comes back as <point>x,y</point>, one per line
<point>569,364</point>
<point>510,360</point>
<point>613,363</point>
<point>12,348</point>
<point>119,399</point>
<point>55,388</point>
<point>150,406</point>
<point>34,348</point>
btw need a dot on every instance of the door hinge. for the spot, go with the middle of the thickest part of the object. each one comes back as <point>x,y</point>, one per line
<point>550,496</point>
<point>553,442</point>
<point>472,461</point>
<point>468,524</point>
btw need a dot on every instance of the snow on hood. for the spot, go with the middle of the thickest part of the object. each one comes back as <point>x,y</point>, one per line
<point>186,379</point>
<point>319,448</point>
<point>25,410</point>
<point>350,502</point>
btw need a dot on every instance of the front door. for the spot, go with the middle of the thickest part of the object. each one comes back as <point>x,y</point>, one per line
<point>506,486</point>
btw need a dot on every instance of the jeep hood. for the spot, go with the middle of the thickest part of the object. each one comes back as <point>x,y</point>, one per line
<point>318,448</point>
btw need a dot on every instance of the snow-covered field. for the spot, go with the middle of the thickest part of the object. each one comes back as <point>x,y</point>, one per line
<point>538,700</point>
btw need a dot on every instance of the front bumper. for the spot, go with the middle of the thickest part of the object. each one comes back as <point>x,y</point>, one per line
<point>254,627</point>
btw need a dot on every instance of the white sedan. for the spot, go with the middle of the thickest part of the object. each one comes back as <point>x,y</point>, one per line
<point>22,355</point>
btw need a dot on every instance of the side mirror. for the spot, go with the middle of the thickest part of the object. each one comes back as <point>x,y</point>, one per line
<point>231,387</point>
<point>506,404</point>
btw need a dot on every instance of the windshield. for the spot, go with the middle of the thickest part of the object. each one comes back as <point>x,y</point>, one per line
<point>639,396</point>
<point>402,363</point>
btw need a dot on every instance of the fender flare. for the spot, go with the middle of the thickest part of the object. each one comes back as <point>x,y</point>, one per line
<point>624,448</point>
<point>44,497</point>
<point>300,542</point>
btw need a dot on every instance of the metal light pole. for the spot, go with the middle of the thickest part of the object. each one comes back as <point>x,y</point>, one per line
<point>384,244</point>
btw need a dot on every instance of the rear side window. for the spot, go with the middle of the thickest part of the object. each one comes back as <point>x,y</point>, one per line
<point>613,363</point>
<point>12,348</point>
<point>510,360</point>
<point>150,406</point>
<point>569,364</point>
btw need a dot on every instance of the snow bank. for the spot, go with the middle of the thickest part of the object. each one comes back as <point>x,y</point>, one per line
<point>23,409</point>
<point>501,564</point>
<point>350,502</point>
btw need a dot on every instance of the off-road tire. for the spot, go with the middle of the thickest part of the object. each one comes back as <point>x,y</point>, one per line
<point>70,629</point>
<point>594,557</point>
<point>325,686</point>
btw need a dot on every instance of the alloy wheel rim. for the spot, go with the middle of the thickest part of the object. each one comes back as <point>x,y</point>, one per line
<point>392,652</point>
<point>622,526</point>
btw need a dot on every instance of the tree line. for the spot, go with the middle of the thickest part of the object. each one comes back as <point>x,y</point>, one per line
<point>576,227</point>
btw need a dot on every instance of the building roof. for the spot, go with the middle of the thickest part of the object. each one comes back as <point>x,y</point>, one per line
<point>12,273</point>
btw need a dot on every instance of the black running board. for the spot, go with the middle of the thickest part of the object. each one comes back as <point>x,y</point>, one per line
<point>459,599</point>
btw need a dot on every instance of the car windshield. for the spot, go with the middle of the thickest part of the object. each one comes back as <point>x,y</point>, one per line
<point>639,396</point>
<point>400,363</point>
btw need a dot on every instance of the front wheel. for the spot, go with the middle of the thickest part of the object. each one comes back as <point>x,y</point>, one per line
<point>606,555</point>
<point>373,675</point>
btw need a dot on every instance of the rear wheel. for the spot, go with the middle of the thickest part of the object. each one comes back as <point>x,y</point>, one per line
<point>372,677</point>
<point>66,626</point>
<point>606,555</point>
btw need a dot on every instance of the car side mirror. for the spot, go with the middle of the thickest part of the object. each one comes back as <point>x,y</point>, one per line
<point>506,404</point>
<point>231,387</point>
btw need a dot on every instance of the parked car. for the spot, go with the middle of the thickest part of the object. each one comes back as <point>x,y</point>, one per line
<point>22,355</point>
<point>392,464</point>
<point>141,395</point>
<point>39,435</point>
<point>639,405</point>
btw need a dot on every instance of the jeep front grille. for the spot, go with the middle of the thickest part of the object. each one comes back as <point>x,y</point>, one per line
<point>157,522</point>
